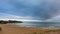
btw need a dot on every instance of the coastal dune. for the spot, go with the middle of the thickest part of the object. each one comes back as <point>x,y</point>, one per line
<point>14,29</point>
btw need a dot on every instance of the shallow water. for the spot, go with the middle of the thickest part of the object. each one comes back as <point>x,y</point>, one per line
<point>37,24</point>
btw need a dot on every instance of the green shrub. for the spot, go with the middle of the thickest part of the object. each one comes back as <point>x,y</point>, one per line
<point>0,29</point>
<point>40,33</point>
<point>43,33</point>
<point>34,33</point>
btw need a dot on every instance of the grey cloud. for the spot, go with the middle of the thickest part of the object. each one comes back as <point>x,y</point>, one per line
<point>42,9</point>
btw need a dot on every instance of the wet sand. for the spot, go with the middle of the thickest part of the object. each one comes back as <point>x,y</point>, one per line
<point>14,29</point>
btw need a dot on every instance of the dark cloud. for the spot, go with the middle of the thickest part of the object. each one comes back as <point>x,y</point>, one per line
<point>40,9</point>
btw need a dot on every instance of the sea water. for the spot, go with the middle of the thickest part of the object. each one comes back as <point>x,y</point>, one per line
<point>39,24</point>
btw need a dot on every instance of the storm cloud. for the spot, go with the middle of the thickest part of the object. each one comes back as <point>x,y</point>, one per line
<point>39,9</point>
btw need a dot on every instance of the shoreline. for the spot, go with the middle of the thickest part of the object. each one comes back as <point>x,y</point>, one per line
<point>14,29</point>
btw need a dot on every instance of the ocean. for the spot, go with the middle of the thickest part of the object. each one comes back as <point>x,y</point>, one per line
<point>39,24</point>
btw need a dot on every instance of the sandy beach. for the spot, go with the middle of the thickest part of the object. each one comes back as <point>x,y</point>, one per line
<point>14,29</point>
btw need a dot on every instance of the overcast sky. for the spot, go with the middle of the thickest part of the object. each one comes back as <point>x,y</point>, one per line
<point>41,9</point>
